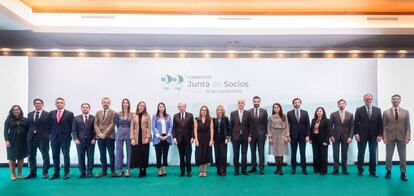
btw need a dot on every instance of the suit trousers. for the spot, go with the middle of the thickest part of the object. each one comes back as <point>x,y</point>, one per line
<point>119,154</point>
<point>343,145</point>
<point>237,144</point>
<point>107,145</point>
<point>302,148</point>
<point>401,148</point>
<point>161,151</point>
<point>185,149</point>
<point>220,156</point>
<point>63,146</point>
<point>320,156</point>
<point>373,145</point>
<point>43,145</point>
<point>85,148</point>
<point>257,143</point>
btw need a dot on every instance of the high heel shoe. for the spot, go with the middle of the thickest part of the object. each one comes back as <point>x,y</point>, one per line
<point>120,174</point>
<point>127,173</point>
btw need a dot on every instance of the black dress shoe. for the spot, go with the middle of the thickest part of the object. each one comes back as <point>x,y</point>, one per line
<point>189,174</point>
<point>252,170</point>
<point>403,177</point>
<point>236,173</point>
<point>345,172</point>
<point>372,174</point>
<point>54,177</point>
<point>245,173</point>
<point>388,175</point>
<point>293,172</point>
<point>45,176</point>
<point>66,176</point>
<point>360,173</point>
<point>305,173</point>
<point>30,176</point>
<point>335,172</point>
<point>261,172</point>
<point>182,173</point>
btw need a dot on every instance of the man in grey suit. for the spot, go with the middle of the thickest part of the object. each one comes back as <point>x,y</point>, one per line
<point>397,131</point>
<point>259,131</point>
<point>342,133</point>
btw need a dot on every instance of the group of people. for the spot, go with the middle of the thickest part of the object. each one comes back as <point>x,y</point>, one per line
<point>136,130</point>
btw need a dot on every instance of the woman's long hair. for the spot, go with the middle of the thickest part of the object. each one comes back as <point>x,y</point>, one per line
<point>281,115</point>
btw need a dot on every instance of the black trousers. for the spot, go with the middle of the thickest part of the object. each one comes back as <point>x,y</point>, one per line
<point>43,146</point>
<point>302,148</point>
<point>58,146</point>
<point>237,144</point>
<point>257,143</point>
<point>161,151</point>
<point>362,144</point>
<point>85,148</point>
<point>185,149</point>
<point>343,144</point>
<point>320,155</point>
<point>220,156</point>
<point>107,145</point>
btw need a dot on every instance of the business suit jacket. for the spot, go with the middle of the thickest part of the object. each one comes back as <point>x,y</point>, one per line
<point>145,126</point>
<point>368,127</point>
<point>397,129</point>
<point>222,130</point>
<point>157,129</point>
<point>298,129</point>
<point>107,125</point>
<point>324,131</point>
<point>183,128</point>
<point>238,129</point>
<point>83,131</point>
<point>42,126</point>
<point>259,125</point>
<point>61,131</point>
<point>341,130</point>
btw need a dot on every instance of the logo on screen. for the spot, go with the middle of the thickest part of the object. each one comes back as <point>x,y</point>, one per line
<point>172,81</point>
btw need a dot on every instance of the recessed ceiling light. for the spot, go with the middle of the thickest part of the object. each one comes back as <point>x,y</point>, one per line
<point>354,51</point>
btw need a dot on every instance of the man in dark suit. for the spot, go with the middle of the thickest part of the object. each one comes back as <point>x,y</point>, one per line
<point>38,137</point>
<point>84,134</point>
<point>183,134</point>
<point>368,129</point>
<point>299,129</point>
<point>240,133</point>
<point>259,131</point>
<point>342,133</point>
<point>60,137</point>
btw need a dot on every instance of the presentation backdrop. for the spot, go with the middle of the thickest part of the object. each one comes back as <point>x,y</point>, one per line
<point>203,81</point>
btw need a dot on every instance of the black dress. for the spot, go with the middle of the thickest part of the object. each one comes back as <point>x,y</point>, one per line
<point>203,153</point>
<point>140,152</point>
<point>15,131</point>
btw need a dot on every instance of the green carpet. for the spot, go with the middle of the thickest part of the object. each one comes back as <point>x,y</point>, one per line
<point>172,184</point>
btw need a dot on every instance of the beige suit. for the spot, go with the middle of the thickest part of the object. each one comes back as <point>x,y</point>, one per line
<point>105,125</point>
<point>396,131</point>
<point>145,125</point>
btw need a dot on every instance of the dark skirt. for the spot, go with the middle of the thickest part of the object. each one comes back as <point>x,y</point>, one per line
<point>139,155</point>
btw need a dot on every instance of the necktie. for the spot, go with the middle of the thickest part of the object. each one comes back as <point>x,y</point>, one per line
<point>256,114</point>
<point>104,114</point>
<point>396,114</point>
<point>86,119</point>
<point>297,114</point>
<point>59,116</point>
<point>37,117</point>
<point>182,116</point>
<point>369,113</point>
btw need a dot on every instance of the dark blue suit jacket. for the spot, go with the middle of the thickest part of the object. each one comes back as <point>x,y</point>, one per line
<point>41,126</point>
<point>83,131</point>
<point>364,126</point>
<point>61,131</point>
